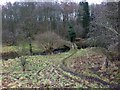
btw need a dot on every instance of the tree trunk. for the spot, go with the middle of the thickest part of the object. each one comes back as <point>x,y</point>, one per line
<point>30,46</point>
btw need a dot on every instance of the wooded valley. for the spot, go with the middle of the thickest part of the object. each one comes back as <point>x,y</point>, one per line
<point>60,45</point>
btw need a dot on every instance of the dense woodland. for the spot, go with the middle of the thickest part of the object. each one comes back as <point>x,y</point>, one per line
<point>87,34</point>
<point>26,19</point>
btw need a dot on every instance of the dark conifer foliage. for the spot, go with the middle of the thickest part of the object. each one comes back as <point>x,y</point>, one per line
<point>72,34</point>
<point>84,17</point>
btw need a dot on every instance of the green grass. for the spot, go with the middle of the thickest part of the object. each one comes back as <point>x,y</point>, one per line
<point>19,48</point>
<point>41,71</point>
<point>8,49</point>
<point>34,65</point>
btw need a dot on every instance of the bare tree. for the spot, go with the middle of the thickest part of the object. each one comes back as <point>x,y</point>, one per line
<point>49,41</point>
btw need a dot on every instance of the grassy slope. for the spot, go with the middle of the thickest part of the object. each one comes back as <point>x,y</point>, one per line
<point>87,62</point>
<point>41,71</point>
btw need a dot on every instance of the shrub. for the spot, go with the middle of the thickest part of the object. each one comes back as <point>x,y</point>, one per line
<point>72,34</point>
<point>114,52</point>
<point>50,40</point>
<point>96,42</point>
<point>81,43</point>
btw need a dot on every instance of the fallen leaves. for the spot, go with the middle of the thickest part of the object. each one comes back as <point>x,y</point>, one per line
<point>22,78</point>
<point>49,76</point>
<point>13,85</point>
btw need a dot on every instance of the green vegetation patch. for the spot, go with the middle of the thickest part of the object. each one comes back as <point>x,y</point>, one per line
<point>44,71</point>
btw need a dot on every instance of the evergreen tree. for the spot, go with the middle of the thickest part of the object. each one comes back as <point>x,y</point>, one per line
<point>86,19</point>
<point>72,34</point>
